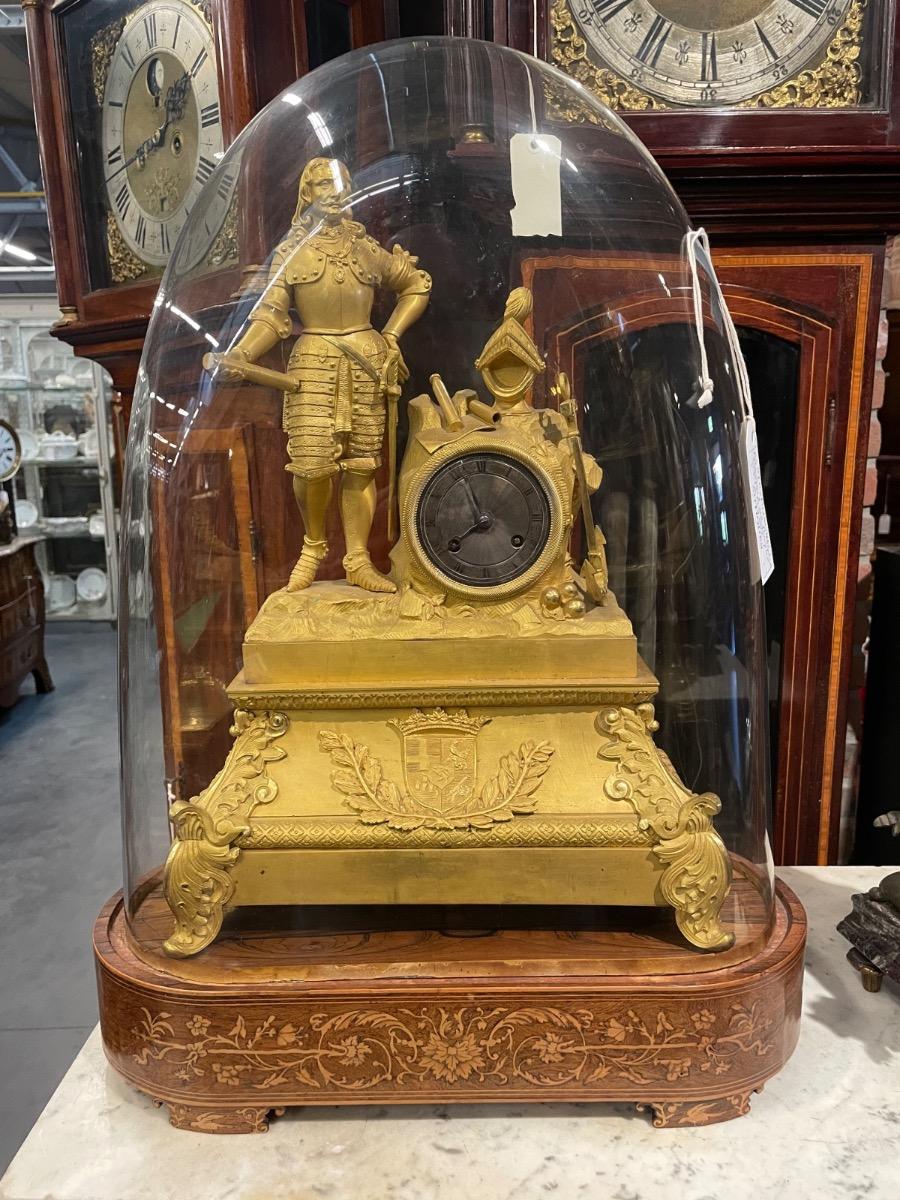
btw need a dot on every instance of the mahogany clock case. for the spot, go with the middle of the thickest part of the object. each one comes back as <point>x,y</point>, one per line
<point>71,44</point>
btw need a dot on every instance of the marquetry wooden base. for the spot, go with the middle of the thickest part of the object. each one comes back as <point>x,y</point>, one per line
<point>388,1012</point>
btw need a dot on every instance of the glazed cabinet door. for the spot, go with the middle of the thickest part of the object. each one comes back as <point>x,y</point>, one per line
<point>806,320</point>
<point>202,620</point>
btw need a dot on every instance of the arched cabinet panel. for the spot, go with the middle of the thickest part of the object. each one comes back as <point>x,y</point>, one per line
<point>802,319</point>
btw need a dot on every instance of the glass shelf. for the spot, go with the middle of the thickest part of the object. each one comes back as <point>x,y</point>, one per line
<point>78,461</point>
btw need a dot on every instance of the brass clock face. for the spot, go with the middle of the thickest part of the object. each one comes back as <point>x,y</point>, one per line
<point>483,519</point>
<point>10,451</point>
<point>708,53</point>
<point>162,131</point>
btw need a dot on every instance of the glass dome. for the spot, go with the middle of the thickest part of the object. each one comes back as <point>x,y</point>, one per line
<point>280,459</point>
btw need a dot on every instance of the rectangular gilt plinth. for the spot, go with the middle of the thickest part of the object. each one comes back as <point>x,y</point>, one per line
<point>504,779</point>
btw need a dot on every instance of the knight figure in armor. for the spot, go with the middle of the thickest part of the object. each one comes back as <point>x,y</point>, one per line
<point>327,270</point>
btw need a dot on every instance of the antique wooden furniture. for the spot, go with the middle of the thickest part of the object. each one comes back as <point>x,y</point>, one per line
<point>21,620</point>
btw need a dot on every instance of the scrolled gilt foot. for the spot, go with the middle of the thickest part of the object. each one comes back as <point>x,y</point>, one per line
<point>197,880</point>
<point>697,875</point>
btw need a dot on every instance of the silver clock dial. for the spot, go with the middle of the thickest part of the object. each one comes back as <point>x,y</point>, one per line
<point>162,131</point>
<point>708,52</point>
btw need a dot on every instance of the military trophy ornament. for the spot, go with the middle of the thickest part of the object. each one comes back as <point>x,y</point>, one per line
<point>476,726</point>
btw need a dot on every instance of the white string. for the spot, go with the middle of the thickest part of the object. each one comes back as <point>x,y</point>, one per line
<point>707,386</point>
<point>693,238</point>
<point>534,128</point>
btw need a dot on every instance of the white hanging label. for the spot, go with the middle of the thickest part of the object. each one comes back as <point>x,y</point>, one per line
<point>760,542</point>
<point>534,163</point>
<point>884,523</point>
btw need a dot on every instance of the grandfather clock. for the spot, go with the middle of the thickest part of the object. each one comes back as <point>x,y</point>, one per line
<point>777,123</point>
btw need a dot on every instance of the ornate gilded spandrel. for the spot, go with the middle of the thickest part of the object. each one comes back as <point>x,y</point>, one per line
<point>834,82</point>
<point>103,45</point>
<point>197,881</point>
<point>124,265</point>
<point>438,752</point>
<point>697,874</point>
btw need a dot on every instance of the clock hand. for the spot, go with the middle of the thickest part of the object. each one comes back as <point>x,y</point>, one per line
<point>485,521</point>
<point>175,101</point>
<point>476,507</point>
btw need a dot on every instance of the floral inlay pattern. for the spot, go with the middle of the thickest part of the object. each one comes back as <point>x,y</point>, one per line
<point>434,1048</point>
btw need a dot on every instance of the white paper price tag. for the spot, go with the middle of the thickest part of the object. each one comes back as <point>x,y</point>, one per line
<point>534,163</point>
<point>760,542</point>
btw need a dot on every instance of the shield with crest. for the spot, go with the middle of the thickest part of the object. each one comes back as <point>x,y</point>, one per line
<point>439,758</point>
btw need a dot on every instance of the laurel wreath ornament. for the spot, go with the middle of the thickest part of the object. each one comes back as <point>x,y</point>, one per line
<point>379,801</point>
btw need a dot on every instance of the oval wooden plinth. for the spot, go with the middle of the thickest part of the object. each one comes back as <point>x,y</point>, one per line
<point>225,1052</point>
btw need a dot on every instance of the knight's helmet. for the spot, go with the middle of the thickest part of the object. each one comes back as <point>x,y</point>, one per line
<point>510,361</point>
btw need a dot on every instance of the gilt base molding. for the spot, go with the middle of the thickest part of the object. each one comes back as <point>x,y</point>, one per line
<point>223,1055</point>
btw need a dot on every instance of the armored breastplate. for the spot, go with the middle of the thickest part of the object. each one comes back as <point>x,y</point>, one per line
<point>333,281</point>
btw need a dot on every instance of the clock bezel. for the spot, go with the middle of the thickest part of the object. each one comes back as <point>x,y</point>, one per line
<point>18,445</point>
<point>473,444</point>
<point>154,264</point>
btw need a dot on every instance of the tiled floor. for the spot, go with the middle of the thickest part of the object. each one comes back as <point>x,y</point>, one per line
<point>59,861</point>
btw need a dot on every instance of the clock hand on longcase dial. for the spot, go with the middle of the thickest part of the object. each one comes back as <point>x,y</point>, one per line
<point>175,100</point>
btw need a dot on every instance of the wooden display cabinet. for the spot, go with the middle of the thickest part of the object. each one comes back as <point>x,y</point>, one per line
<point>799,204</point>
<point>21,621</point>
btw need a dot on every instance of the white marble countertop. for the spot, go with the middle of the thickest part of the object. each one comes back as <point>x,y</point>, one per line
<point>827,1126</point>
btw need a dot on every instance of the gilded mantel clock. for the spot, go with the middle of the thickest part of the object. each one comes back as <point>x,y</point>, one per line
<point>670,54</point>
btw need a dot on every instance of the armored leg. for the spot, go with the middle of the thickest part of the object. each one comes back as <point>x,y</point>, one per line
<point>358,497</point>
<point>313,498</point>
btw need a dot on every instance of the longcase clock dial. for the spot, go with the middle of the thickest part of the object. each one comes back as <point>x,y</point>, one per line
<point>714,53</point>
<point>162,131</point>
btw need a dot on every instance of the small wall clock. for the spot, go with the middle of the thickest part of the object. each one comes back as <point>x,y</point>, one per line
<point>638,54</point>
<point>10,451</point>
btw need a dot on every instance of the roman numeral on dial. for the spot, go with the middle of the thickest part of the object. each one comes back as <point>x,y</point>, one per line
<point>209,115</point>
<point>198,63</point>
<point>113,156</point>
<point>766,44</point>
<point>150,30</point>
<point>205,168</point>
<point>814,8</point>
<point>140,234</point>
<point>652,46</point>
<point>123,200</point>
<point>709,69</point>
<point>607,9</point>
<point>128,56</point>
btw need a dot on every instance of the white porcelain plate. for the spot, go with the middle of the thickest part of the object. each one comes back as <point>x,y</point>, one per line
<point>26,514</point>
<point>91,585</point>
<point>62,592</point>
